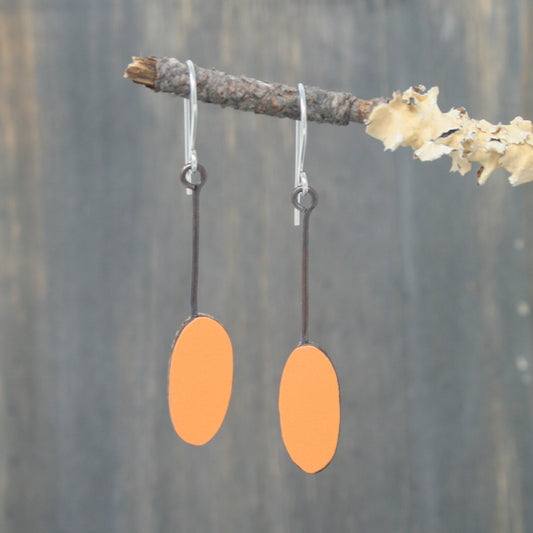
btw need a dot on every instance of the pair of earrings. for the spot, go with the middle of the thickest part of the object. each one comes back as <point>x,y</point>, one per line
<point>201,364</point>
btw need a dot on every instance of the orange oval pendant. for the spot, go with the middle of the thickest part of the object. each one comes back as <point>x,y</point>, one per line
<point>200,379</point>
<point>309,408</point>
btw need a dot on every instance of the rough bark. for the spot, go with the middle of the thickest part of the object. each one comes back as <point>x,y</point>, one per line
<point>170,75</point>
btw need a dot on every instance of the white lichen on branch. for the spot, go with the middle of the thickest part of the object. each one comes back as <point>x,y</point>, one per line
<point>414,119</point>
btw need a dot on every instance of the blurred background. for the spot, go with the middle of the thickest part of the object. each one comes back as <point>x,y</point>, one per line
<point>420,280</point>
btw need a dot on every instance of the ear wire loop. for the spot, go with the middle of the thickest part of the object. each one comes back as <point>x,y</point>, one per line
<point>300,177</point>
<point>190,119</point>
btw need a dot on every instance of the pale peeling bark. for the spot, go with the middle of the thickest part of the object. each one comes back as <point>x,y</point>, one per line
<point>414,119</point>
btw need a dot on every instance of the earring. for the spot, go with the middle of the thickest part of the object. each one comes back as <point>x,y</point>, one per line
<point>309,399</point>
<point>201,365</point>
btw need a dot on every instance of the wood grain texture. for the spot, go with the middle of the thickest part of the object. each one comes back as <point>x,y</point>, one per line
<point>420,287</point>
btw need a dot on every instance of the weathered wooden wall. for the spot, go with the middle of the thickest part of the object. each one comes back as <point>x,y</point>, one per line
<point>421,282</point>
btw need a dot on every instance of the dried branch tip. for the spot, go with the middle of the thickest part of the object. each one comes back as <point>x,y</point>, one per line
<point>142,70</point>
<point>414,119</point>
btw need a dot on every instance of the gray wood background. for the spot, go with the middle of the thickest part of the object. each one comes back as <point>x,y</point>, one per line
<point>421,281</point>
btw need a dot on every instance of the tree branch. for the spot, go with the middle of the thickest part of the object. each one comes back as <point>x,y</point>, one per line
<point>246,94</point>
<point>412,118</point>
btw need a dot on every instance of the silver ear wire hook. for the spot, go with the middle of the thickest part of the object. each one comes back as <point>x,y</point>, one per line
<point>190,119</point>
<point>300,177</point>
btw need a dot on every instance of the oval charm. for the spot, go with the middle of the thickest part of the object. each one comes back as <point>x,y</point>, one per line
<point>309,408</point>
<point>200,379</point>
